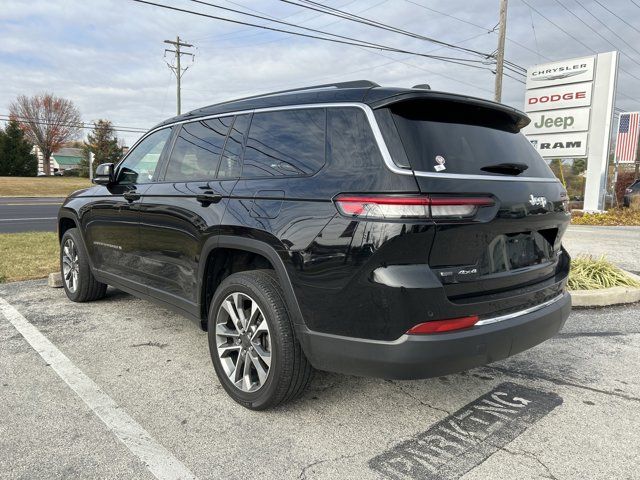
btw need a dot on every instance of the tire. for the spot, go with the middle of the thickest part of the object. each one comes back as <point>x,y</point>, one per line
<point>288,372</point>
<point>79,283</point>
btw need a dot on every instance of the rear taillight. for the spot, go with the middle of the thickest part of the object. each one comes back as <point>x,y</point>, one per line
<point>440,326</point>
<point>408,206</point>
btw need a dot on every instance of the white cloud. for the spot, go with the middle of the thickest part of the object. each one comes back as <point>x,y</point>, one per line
<point>107,56</point>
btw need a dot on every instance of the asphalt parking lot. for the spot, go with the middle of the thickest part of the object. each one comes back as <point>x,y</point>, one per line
<point>565,409</point>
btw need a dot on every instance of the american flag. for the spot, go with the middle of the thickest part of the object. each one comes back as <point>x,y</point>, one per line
<point>627,141</point>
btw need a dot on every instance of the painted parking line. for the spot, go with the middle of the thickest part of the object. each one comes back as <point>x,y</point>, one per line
<point>25,219</point>
<point>160,462</point>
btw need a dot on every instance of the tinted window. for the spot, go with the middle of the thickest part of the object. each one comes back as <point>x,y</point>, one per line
<point>197,150</point>
<point>285,143</point>
<point>351,141</point>
<point>140,165</point>
<point>231,164</point>
<point>463,139</point>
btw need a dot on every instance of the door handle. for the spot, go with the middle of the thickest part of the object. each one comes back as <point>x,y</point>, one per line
<point>131,196</point>
<point>207,198</point>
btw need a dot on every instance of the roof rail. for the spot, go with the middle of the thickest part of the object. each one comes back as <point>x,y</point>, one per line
<point>326,86</point>
<point>352,84</point>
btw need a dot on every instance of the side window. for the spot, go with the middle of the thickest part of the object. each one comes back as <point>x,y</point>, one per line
<point>231,164</point>
<point>140,165</point>
<point>285,143</point>
<point>351,141</point>
<point>196,153</point>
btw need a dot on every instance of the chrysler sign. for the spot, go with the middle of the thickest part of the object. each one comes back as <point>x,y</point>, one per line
<point>561,73</point>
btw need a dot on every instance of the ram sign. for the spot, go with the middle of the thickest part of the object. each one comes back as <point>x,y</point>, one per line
<point>570,104</point>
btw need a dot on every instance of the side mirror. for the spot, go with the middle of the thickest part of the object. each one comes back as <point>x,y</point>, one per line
<point>104,174</point>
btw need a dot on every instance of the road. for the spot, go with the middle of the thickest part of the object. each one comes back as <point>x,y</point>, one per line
<point>18,214</point>
<point>572,412</point>
<point>620,245</point>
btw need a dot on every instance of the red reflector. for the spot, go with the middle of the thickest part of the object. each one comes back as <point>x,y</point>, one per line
<point>439,326</point>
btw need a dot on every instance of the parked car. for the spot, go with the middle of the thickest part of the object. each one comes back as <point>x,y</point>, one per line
<point>631,193</point>
<point>390,232</point>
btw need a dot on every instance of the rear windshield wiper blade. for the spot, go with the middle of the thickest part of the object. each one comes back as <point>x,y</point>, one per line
<point>506,168</point>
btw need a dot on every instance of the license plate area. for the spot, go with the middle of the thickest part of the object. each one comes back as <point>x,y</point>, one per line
<point>513,251</point>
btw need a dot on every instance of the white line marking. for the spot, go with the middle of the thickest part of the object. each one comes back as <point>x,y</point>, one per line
<point>28,204</point>
<point>156,458</point>
<point>25,219</point>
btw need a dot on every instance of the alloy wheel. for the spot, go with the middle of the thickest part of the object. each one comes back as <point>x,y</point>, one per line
<point>70,265</point>
<point>243,342</point>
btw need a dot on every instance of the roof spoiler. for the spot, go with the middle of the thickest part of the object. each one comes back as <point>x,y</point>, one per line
<point>519,118</point>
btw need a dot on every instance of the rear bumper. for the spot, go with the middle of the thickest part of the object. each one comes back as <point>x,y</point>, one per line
<point>423,356</point>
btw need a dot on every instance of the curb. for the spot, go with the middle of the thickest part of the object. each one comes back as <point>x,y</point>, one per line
<point>606,296</point>
<point>55,280</point>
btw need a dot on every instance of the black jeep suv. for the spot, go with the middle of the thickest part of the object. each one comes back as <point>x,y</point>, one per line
<point>391,232</point>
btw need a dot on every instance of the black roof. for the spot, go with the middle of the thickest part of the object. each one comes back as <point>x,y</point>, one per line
<point>361,91</point>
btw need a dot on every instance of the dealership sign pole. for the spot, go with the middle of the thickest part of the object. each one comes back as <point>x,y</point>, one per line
<point>571,107</point>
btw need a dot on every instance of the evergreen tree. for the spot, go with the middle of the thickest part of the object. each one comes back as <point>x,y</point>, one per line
<point>16,158</point>
<point>103,143</point>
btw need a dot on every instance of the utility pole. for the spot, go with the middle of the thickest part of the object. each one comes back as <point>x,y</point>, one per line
<point>502,33</point>
<point>177,70</point>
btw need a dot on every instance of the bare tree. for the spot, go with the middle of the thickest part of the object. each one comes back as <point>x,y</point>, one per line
<point>47,121</point>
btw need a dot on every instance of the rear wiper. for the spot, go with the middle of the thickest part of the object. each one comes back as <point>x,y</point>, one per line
<point>506,168</point>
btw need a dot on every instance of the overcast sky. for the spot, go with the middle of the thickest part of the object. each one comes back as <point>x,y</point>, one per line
<point>107,56</point>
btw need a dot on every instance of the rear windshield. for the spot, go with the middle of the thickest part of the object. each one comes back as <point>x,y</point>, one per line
<point>443,137</point>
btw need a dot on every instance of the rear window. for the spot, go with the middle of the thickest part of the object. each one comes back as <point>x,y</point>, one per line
<point>441,137</point>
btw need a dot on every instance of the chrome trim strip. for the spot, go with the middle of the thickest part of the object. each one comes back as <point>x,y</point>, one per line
<point>464,176</point>
<point>502,318</point>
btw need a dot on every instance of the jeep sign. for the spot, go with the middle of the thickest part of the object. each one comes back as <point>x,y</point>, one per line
<point>558,121</point>
<point>571,106</point>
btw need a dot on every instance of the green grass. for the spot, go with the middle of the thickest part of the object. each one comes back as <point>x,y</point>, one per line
<point>41,186</point>
<point>25,256</point>
<point>588,273</point>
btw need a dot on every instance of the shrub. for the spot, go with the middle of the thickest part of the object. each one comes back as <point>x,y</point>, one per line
<point>613,217</point>
<point>588,273</point>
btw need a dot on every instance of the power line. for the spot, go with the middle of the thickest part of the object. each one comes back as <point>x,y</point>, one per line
<point>606,26</point>
<point>373,23</point>
<point>568,34</point>
<point>356,42</point>
<point>488,30</point>
<point>535,36</point>
<point>617,16</point>
<point>325,9</point>
<point>275,20</point>
<point>81,125</point>
<point>402,61</point>
<point>597,32</point>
